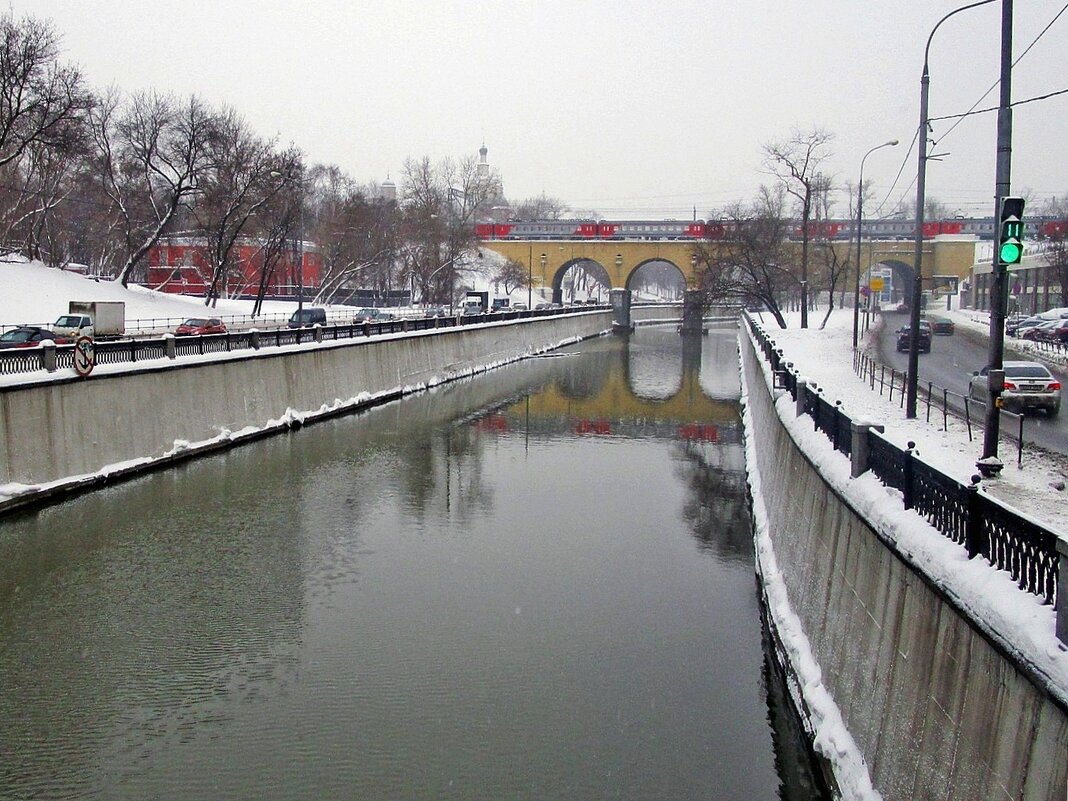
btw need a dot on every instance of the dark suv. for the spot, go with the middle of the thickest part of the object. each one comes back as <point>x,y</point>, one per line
<point>923,345</point>
<point>307,317</point>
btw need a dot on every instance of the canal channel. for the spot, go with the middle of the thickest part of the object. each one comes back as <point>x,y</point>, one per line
<point>533,584</point>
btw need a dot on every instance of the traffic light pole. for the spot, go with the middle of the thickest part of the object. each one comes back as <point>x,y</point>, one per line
<point>998,288</point>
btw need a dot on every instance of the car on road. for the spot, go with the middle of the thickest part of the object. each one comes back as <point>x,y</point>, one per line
<point>371,315</point>
<point>1058,332</point>
<point>1037,331</point>
<point>26,336</point>
<point>1028,385</point>
<point>307,317</point>
<point>904,335</point>
<point>436,311</point>
<point>942,325</point>
<point>196,326</point>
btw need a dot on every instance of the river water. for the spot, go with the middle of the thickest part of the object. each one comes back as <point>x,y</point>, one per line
<point>534,584</point>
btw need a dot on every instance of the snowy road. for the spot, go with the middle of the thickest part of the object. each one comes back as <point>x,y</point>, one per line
<point>950,364</point>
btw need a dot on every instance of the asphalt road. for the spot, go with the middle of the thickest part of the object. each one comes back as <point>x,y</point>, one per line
<point>950,364</point>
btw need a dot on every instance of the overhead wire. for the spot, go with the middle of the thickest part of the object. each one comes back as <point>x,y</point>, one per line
<point>960,117</point>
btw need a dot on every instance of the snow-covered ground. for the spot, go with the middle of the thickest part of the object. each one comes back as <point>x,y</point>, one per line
<point>33,294</point>
<point>1037,488</point>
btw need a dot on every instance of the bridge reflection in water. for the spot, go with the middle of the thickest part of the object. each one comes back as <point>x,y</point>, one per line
<point>652,389</point>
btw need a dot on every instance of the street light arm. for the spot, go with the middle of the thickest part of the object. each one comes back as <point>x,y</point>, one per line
<point>860,222</point>
<point>927,49</point>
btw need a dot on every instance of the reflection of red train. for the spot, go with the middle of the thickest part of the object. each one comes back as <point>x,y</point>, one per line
<point>179,265</point>
<point>982,227</point>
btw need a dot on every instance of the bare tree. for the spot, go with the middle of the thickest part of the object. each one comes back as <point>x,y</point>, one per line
<point>356,234</point>
<point>541,207</point>
<point>243,174</point>
<point>152,155</point>
<point>512,275</point>
<point>834,266</point>
<point>795,161</point>
<point>42,113</point>
<point>749,263</point>
<point>440,206</point>
<point>39,98</point>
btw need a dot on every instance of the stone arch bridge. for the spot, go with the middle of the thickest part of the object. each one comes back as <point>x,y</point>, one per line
<point>547,260</point>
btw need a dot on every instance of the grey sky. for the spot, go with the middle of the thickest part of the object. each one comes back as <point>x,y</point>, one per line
<point>618,106</point>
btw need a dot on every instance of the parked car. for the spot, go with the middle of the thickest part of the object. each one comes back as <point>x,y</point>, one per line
<point>924,343</point>
<point>201,325</point>
<point>436,311</point>
<point>1057,332</point>
<point>942,325</point>
<point>370,315</point>
<point>26,336</point>
<point>1028,385</point>
<point>1037,331</point>
<point>519,307</point>
<point>1014,324</point>
<point>306,317</point>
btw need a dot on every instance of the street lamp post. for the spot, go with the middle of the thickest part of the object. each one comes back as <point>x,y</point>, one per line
<point>921,180</point>
<point>860,220</point>
<point>530,277</point>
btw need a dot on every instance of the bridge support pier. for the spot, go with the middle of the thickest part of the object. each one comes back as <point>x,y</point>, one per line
<point>692,312</point>
<point>620,299</point>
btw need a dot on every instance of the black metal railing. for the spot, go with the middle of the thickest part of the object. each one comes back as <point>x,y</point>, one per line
<point>27,360</point>
<point>977,522</point>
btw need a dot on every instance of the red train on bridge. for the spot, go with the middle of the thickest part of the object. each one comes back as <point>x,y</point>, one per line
<point>981,227</point>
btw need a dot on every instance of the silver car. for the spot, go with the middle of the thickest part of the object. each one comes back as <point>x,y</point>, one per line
<point>1028,385</point>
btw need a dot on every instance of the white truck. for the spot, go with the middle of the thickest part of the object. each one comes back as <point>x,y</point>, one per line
<point>100,319</point>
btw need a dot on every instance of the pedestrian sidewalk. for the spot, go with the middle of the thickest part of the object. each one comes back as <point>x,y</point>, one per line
<point>1038,488</point>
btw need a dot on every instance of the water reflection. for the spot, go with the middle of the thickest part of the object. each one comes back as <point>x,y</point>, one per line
<point>490,590</point>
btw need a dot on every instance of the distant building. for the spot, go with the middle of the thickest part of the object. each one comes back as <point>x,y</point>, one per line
<point>179,265</point>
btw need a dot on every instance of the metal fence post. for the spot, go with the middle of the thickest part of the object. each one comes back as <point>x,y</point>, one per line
<point>908,474</point>
<point>859,451</point>
<point>1062,591</point>
<point>973,525</point>
<point>799,398</point>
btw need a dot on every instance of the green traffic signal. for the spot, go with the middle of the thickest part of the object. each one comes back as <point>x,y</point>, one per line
<point>1010,231</point>
<point>1011,252</point>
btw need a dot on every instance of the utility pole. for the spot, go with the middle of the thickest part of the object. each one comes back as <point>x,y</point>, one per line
<point>998,289</point>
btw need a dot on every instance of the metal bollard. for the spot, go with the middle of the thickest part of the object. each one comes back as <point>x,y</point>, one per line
<point>48,355</point>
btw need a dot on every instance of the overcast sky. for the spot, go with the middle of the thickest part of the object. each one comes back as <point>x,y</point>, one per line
<point>620,107</point>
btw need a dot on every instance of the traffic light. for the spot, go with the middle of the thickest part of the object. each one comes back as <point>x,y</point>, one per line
<point>1010,231</point>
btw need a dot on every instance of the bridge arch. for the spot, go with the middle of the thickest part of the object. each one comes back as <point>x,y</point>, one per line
<point>902,276</point>
<point>635,278</point>
<point>594,270</point>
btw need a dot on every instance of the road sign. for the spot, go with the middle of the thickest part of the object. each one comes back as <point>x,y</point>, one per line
<point>84,356</point>
<point>877,284</point>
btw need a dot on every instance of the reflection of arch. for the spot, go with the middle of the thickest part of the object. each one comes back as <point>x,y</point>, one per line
<point>576,384</point>
<point>653,371</point>
<point>632,276</point>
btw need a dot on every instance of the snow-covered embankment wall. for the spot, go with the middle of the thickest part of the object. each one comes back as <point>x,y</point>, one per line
<point>60,430</point>
<point>906,696</point>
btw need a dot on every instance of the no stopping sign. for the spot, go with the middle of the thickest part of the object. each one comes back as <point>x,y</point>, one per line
<point>84,356</point>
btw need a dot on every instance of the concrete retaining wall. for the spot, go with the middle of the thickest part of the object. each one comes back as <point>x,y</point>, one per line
<point>67,426</point>
<point>937,709</point>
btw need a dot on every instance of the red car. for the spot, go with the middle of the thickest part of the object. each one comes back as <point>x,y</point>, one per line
<point>201,325</point>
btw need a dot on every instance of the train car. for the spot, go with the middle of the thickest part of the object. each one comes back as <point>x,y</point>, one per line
<point>833,229</point>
